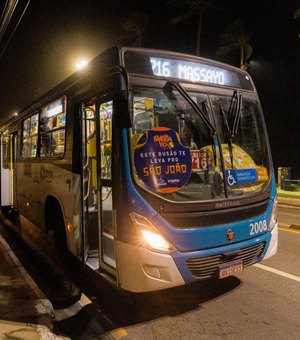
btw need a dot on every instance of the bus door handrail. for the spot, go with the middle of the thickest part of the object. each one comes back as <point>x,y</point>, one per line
<point>89,178</point>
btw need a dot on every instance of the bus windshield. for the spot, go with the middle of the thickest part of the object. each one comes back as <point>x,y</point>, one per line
<point>181,152</point>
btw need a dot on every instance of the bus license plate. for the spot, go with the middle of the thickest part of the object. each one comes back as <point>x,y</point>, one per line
<point>230,268</point>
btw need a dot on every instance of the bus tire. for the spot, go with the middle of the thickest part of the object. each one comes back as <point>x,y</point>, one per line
<point>54,220</point>
<point>61,243</point>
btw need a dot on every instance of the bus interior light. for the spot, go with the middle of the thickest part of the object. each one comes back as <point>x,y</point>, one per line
<point>150,235</point>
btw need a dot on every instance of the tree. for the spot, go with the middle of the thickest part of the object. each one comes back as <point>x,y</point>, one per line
<point>297,16</point>
<point>234,38</point>
<point>190,8</point>
<point>133,29</point>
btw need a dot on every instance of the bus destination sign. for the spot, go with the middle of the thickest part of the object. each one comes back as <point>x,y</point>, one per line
<point>191,71</point>
<point>186,69</point>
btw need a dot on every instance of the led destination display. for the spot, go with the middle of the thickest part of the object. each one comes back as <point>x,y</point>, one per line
<point>187,70</point>
<point>197,71</point>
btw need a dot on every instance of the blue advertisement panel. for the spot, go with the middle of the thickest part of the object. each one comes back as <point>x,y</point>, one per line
<point>242,176</point>
<point>163,160</point>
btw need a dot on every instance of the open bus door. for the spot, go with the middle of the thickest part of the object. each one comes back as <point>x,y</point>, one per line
<point>8,169</point>
<point>98,228</point>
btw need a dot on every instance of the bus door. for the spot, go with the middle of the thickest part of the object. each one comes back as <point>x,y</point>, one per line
<point>97,185</point>
<point>8,169</point>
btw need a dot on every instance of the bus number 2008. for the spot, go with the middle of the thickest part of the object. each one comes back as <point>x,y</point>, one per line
<point>258,227</point>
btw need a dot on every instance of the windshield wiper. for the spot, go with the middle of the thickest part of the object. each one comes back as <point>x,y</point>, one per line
<point>168,89</point>
<point>228,134</point>
<point>235,111</point>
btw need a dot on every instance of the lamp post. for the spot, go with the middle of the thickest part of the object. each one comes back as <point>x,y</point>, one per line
<point>81,64</point>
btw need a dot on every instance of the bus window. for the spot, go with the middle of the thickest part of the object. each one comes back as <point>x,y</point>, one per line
<point>107,232</point>
<point>5,150</point>
<point>155,110</point>
<point>52,129</point>
<point>30,136</point>
<point>106,139</point>
<point>243,151</point>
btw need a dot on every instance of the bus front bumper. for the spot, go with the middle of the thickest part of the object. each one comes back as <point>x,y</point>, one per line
<point>142,270</point>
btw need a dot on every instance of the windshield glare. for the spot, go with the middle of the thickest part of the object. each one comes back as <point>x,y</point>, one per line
<point>176,155</point>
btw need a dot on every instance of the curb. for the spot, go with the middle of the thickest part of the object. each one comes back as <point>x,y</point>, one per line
<point>44,308</point>
<point>18,330</point>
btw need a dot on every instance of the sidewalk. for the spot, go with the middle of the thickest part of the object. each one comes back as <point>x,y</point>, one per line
<point>25,313</point>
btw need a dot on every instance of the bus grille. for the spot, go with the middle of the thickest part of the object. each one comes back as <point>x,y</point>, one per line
<point>205,267</point>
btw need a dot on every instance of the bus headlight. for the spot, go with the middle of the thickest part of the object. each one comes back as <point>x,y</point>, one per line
<point>155,241</point>
<point>150,235</point>
<point>273,220</point>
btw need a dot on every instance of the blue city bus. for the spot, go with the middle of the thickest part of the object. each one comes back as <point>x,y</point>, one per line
<point>151,168</point>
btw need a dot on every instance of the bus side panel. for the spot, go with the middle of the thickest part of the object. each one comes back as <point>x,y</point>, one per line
<point>37,182</point>
<point>28,186</point>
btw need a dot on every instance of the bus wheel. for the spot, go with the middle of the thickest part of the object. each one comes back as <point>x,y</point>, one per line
<point>69,293</point>
<point>61,244</point>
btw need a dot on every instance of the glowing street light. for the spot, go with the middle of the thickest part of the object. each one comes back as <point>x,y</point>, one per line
<point>81,64</point>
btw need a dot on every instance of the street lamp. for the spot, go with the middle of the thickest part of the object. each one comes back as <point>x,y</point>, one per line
<point>81,64</point>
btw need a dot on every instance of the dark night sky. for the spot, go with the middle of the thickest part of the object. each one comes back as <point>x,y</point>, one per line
<point>53,34</point>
